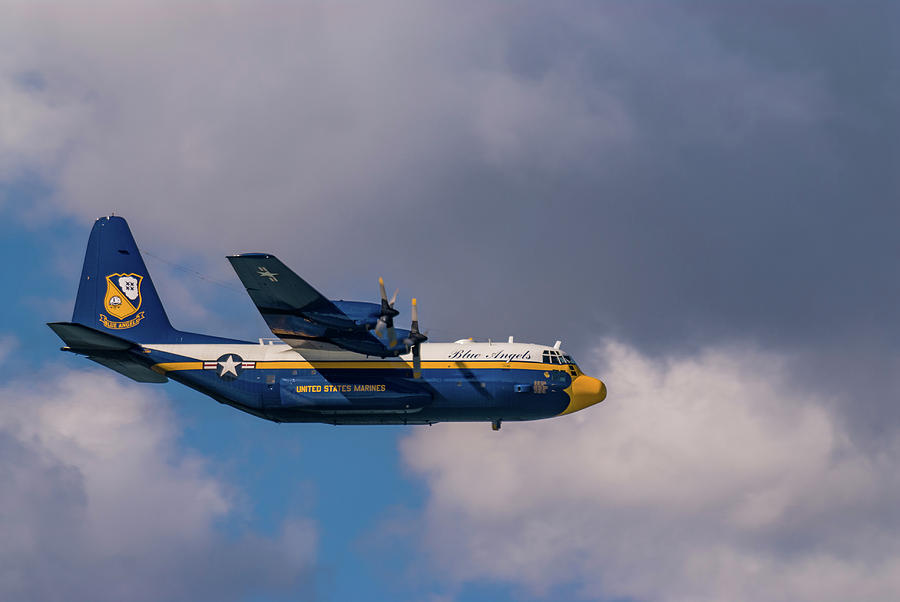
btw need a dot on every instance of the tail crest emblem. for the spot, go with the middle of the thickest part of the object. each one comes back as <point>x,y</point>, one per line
<point>122,300</point>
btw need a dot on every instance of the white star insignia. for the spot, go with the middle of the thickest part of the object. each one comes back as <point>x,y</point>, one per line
<point>228,366</point>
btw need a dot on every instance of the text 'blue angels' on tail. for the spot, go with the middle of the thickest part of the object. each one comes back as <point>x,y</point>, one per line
<point>339,362</point>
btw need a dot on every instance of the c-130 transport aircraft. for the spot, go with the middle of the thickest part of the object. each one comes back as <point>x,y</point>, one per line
<point>337,362</point>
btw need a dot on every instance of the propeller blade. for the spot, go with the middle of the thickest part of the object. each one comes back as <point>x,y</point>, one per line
<point>415,340</point>
<point>387,307</point>
<point>415,337</point>
<point>385,328</point>
<point>417,362</point>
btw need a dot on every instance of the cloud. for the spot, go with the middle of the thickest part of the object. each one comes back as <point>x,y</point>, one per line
<point>256,122</point>
<point>99,502</point>
<point>672,176</point>
<point>663,174</point>
<point>8,344</point>
<point>37,124</point>
<point>701,477</point>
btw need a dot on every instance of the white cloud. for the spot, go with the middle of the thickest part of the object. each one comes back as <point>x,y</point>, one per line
<point>699,478</point>
<point>99,503</point>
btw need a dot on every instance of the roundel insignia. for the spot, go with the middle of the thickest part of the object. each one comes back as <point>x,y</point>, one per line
<point>229,366</point>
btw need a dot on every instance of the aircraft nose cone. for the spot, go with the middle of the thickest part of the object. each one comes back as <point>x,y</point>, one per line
<point>585,391</point>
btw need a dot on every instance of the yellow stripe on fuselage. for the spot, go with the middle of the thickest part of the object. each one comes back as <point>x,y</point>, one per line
<point>173,366</point>
<point>373,365</point>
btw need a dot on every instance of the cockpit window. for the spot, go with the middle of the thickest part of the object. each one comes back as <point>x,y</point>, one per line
<point>553,356</point>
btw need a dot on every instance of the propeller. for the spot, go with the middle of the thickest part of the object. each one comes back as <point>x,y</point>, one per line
<point>414,341</point>
<point>386,317</point>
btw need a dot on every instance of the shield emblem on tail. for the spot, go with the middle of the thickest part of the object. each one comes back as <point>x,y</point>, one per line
<point>123,295</point>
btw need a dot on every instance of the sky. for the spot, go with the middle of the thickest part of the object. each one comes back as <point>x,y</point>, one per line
<point>700,199</point>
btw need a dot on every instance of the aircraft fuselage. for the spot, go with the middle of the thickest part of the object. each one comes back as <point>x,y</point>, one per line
<point>459,382</point>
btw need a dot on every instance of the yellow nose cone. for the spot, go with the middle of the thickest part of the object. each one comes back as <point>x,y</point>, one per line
<point>585,391</point>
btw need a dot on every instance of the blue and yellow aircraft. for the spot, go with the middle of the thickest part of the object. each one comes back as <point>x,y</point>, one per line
<point>337,362</point>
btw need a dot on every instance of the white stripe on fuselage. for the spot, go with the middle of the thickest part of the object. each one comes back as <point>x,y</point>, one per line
<point>275,352</point>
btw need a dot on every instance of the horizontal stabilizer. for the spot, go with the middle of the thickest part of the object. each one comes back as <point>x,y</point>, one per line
<point>131,368</point>
<point>83,338</point>
<point>105,349</point>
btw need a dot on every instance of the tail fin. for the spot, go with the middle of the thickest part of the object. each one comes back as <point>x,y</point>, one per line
<point>115,294</point>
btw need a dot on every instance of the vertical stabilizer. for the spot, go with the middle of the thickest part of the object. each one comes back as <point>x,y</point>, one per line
<point>115,294</point>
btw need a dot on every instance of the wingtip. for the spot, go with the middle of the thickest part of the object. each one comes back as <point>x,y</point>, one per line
<point>254,254</point>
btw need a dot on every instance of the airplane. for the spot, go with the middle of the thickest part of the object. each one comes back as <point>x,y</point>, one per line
<point>334,362</point>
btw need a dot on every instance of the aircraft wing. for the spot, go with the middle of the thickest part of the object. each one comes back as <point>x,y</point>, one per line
<point>298,313</point>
